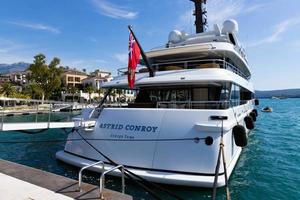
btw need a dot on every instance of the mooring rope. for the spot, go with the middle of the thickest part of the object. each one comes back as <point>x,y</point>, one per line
<point>196,139</point>
<point>128,173</point>
<point>96,139</point>
<point>221,154</point>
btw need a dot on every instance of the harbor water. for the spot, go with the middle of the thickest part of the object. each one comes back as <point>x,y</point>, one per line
<point>269,167</point>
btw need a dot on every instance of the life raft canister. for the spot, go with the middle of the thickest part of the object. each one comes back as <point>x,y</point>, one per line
<point>253,115</point>
<point>249,122</point>
<point>255,111</point>
<point>240,135</point>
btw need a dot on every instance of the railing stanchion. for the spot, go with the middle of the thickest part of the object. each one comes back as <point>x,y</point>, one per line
<point>123,180</point>
<point>37,112</point>
<point>2,120</point>
<point>102,179</point>
<point>86,167</point>
<point>49,115</point>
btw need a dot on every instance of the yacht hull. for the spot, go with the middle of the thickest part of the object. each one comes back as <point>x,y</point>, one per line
<point>170,178</point>
<point>161,145</point>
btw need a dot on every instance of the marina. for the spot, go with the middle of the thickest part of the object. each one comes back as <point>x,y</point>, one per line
<point>204,77</point>
<point>183,120</point>
<point>256,175</point>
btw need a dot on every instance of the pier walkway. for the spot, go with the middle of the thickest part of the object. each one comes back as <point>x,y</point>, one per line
<point>44,125</point>
<point>41,114</point>
<point>22,182</point>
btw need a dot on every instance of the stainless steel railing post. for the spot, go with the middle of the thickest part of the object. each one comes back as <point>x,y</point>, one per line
<point>123,180</point>
<point>86,167</point>
<point>102,179</point>
<point>2,120</point>
<point>37,112</point>
<point>49,115</point>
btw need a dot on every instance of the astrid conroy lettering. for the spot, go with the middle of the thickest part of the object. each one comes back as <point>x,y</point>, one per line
<point>129,127</point>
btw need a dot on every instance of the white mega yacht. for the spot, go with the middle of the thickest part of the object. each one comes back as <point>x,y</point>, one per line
<point>201,92</point>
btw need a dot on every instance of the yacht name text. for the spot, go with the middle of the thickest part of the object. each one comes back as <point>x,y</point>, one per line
<point>129,127</point>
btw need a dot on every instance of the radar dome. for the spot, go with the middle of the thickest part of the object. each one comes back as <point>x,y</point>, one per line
<point>175,36</point>
<point>230,26</point>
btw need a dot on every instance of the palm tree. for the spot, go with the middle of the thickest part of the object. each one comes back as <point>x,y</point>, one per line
<point>73,90</point>
<point>121,94</point>
<point>113,94</point>
<point>100,91</point>
<point>34,91</point>
<point>7,89</point>
<point>89,89</point>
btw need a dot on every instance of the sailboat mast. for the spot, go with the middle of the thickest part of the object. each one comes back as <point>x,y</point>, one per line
<point>200,14</point>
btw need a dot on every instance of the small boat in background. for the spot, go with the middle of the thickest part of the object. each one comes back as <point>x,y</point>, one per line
<point>278,97</point>
<point>267,109</point>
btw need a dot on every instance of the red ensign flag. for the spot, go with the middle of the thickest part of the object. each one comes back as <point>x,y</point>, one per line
<point>133,60</point>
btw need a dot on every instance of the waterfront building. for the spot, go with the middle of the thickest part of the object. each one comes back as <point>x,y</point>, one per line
<point>73,78</point>
<point>4,78</point>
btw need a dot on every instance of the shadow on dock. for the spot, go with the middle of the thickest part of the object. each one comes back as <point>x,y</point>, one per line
<point>58,184</point>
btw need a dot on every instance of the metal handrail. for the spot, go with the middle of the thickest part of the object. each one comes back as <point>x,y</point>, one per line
<point>86,167</point>
<point>102,179</point>
<point>190,103</point>
<point>225,64</point>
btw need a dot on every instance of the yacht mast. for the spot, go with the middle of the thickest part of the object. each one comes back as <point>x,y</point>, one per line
<point>200,14</point>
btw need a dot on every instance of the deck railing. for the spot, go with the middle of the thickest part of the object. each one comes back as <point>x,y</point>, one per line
<point>200,104</point>
<point>37,112</point>
<point>191,64</point>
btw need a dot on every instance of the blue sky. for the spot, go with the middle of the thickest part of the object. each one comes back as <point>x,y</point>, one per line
<point>93,33</point>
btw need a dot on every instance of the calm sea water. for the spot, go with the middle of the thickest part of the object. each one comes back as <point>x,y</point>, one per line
<point>269,167</point>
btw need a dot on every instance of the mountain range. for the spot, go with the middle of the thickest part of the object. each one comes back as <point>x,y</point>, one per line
<point>288,93</point>
<point>7,68</point>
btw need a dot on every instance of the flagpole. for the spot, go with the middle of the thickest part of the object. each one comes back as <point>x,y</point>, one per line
<point>151,70</point>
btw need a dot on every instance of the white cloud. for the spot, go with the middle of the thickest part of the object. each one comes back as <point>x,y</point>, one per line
<point>83,63</point>
<point>220,10</point>
<point>110,10</point>
<point>36,26</point>
<point>7,46</point>
<point>121,57</point>
<point>279,29</point>
<point>295,44</point>
<point>92,39</point>
<point>12,52</point>
<point>254,8</point>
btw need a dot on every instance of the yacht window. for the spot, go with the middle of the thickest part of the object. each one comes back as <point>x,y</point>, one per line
<point>231,38</point>
<point>200,94</point>
<point>235,95</point>
<point>245,95</point>
<point>205,96</point>
<point>225,92</point>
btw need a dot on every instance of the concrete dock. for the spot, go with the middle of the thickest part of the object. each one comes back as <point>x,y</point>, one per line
<point>22,182</point>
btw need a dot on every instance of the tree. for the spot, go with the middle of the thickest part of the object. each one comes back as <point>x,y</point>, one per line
<point>33,90</point>
<point>89,89</point>
<point>73,90</point>
<point>45,77</point>
<point>100,91</point>
<point>122,96</point>
<point>20,95</point>
<point>7,89</point>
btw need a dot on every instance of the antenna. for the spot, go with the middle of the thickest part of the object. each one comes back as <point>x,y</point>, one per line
<point>200,14</point>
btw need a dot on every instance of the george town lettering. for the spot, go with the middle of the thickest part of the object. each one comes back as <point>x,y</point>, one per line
<point>129,127</point>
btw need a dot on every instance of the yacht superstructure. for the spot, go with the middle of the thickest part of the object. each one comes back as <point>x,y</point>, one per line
<point>171,133</point>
